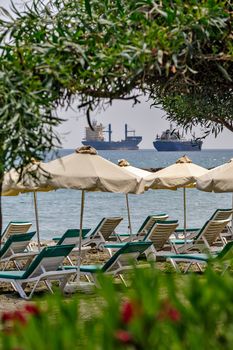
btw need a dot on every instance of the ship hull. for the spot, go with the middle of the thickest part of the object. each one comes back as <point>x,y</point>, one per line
<point>175,146</point>
<point>114,145</point>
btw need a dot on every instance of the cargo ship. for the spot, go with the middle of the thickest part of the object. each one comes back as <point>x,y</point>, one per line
<point>97,140</point>
<point>170,140</point>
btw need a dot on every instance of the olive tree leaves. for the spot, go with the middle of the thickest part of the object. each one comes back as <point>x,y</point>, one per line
<point>180,53</point>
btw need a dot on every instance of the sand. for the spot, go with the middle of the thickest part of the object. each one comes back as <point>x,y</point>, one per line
<point>10,300</point>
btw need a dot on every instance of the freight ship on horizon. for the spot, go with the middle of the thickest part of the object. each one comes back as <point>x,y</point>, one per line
<point>170,140</point>
<point>96,138</point>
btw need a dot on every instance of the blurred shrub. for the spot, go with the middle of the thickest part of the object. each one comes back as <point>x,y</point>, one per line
<point>158,311</point>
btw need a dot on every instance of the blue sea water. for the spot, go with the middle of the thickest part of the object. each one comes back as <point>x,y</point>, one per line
<point>59,210</point>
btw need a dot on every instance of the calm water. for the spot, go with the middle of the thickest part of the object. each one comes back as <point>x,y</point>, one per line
<point>60,209</point>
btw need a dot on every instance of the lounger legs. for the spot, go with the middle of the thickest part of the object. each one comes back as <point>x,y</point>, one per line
<point>175,265</point>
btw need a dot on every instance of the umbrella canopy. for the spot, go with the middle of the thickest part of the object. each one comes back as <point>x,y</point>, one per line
<point>81,170</point>
<point>133,170</point>
<point>85,170</point>
<point>181,174</point>
<point>29,179</point>
<point>219,179</point>
<point>147,176</point>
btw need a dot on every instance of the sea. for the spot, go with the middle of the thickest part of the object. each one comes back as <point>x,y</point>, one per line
<point>60,209</point>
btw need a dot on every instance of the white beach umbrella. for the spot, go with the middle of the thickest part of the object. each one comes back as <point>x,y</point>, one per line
<point>219,180</point>
<point>182,174</point>
<point>86,171</point>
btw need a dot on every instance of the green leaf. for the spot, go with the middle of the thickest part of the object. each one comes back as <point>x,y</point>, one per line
<point>88,7</point>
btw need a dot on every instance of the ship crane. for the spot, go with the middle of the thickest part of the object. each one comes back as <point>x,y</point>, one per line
<point>109,132</point>
<point>128,131</point>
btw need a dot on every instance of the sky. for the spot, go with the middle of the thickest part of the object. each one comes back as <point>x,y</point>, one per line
<point>146,121</point>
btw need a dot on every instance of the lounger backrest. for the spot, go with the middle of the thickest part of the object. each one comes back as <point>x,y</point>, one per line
<point>106,227</point>
<point>226,253</point>
<point>125,255</point>
<point>222,214</point>
<point>160,233</point>
<point>15,228</point>
<point>49,259</point>
<point>149,222</point>
<point>16,244</point>
<point>211,230</point>
<point>71,236</point>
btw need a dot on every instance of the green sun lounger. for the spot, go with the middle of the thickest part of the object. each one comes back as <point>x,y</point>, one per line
<point>15,227</point>
<point>219,214</point>
<point>204,239</point>
<point>122,260</point>
<point>71,236</point>
<point>102,233</point>
<point>44,268</point>
<point>15,248</point>
<point>224,256</point>
<point>159,235</point>
<point>144,228</point>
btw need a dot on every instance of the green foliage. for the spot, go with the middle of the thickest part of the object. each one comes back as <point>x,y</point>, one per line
<point>105,50</point>
<point>158,311</point>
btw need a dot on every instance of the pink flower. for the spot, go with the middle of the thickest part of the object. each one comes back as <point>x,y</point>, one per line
<point>20,317</point>
<point>32,309</point>
<point>127,312</point>
<point>173,314</point>
<point>169,312</point>
<point>123,336</point>
<point>7,316</point>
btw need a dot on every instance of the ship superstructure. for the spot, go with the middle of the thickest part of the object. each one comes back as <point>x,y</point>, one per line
<point>171,140</point>
<point>96,139</point>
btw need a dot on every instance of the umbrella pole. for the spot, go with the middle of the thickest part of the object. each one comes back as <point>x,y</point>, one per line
<point>37,220</point>
<point>80,234</point>
<point>128,212</point>
<point>185,222</point>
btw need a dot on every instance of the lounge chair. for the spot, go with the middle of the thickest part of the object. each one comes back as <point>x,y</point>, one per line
<point>15,227</point>
<point>224,214</point>
<point>15,249</point>
<point>121,261</point>
<point>71,236</point>
<point>224,256</point>
<point>102,232</point>
<point>44,267</point>
<point>219,214</point>
<point>143,230</point>
<point>204,239</point>
<point>159,235</point>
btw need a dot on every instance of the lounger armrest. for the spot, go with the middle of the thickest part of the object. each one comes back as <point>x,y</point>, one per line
<point>114,245</point>
<point>25,255</point>
<point>56,239</point>
<point>124,234</point>
<point>180,230</point>
<point>181,241</point>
